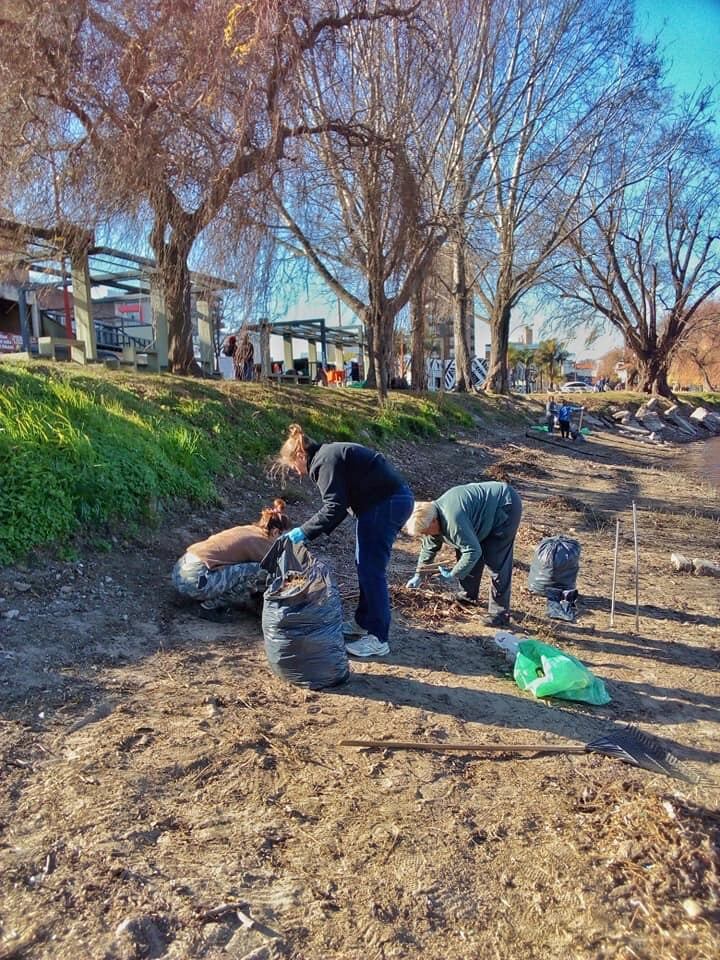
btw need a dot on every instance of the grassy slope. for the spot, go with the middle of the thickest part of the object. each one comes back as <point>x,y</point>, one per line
<point>84,448</point>
<point>88,447</point>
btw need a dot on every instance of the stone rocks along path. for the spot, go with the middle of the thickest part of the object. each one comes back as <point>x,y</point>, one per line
<point>163,795</point>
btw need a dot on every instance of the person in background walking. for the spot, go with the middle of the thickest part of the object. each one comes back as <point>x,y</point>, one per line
<point>480,521</point>
<point>224,570</point>
<point>355,480</point>
<point>550,411</point>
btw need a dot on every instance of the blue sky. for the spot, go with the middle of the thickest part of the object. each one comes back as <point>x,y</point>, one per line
<point>689,32</point>
<point>690,39</point>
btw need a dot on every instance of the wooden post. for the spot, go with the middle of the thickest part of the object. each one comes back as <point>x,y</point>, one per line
<point>637,570</point>
<point>614,577</point>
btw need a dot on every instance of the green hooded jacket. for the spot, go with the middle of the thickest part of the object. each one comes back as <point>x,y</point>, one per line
<point>467,514</point>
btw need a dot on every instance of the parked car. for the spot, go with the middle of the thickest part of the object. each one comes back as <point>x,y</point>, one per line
<point>574,386</point>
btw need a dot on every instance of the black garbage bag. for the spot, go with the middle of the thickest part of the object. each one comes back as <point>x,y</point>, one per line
<point>554,566</point>
<point>302,618</point>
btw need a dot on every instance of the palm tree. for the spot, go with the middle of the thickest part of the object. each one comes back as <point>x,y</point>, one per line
<point>517,355</point>
<point>550,356</point>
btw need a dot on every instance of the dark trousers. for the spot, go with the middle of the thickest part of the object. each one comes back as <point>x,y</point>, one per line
<point>498,557</point>
<point>376,531</point>
<point>564,428</point>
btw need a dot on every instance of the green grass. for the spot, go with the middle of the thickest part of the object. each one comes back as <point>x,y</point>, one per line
<point>84,449</point>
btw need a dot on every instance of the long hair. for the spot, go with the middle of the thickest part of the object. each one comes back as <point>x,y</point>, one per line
<point>297,442</point>
<point>274,518</point>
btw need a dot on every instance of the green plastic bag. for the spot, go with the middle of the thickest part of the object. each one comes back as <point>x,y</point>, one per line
<point>548,672</point>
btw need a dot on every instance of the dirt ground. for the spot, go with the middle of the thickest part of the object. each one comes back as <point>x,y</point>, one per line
<point>165,796</point>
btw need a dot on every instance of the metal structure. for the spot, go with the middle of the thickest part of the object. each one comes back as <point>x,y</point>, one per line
<point>43,252</point>
<point>332,343</point>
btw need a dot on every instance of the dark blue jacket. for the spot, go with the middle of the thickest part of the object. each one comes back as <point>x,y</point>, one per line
<point>349,477</point>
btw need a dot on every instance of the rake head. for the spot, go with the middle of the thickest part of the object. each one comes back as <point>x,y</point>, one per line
<point>633,746</point>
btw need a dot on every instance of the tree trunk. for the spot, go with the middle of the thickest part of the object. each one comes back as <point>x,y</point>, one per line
<point>499,320</point>
<point>370,343</point>
<point>461,301</point>
<point>176,285</point>
<point>418,367</point>
<point>652,373</point>
<point>171,255</point>
<point>380,342</point>
<point>382,353</point>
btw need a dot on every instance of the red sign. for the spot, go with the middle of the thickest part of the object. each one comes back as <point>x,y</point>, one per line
<point>10,343</point>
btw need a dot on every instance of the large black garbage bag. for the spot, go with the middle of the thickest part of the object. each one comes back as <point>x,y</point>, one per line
<point>554,566</point>
<point>302,619</point>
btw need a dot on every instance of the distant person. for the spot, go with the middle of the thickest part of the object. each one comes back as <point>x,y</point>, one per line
<point>224,570</point>
<point>480,521</point>
<point>244,358</point>
<point>565,412</point>
<point>229,346</point>
<point>551,409</point>
<point>353,479</point>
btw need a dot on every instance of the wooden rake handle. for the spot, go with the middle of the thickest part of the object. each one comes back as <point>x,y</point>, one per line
<point>464,747</point>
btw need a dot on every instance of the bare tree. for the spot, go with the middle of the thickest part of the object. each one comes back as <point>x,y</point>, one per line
<point>698,354</point>
<point>169,107</point>
<point>355,207</point>
<point>578,74</point>
<point>606,366</point>
<point>650,259</point>
<point>418,326</point>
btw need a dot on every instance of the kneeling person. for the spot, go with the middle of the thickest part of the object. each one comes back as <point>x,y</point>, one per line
<point>224,570</point>
<point>480,520</point>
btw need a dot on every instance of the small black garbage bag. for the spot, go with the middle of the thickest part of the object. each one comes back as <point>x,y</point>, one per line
<point>554,566</point>
<point>302,618</point>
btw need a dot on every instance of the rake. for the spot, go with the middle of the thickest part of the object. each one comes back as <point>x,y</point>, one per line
<point>628,744</point>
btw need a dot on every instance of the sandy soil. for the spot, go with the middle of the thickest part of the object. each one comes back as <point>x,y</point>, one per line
<point>165,796</point>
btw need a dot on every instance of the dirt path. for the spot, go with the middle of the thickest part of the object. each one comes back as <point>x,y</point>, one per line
<point>165,796</point>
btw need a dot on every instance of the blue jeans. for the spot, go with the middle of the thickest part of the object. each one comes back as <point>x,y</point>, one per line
<point>375,534</point>
<point>232,584</point>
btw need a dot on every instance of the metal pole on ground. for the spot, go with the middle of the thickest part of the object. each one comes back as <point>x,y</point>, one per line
<point>614,577</point>
<point>637,571</point>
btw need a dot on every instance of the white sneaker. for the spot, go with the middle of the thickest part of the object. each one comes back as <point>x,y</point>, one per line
<point>351,628</point>
<point>368,646</point>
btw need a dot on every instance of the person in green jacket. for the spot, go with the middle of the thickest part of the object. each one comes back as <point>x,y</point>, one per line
<point>480,520</point>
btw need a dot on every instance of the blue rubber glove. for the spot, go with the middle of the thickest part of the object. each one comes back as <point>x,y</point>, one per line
<point>414,582</point>
<point>296,535</point>
<point>450,582</point>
